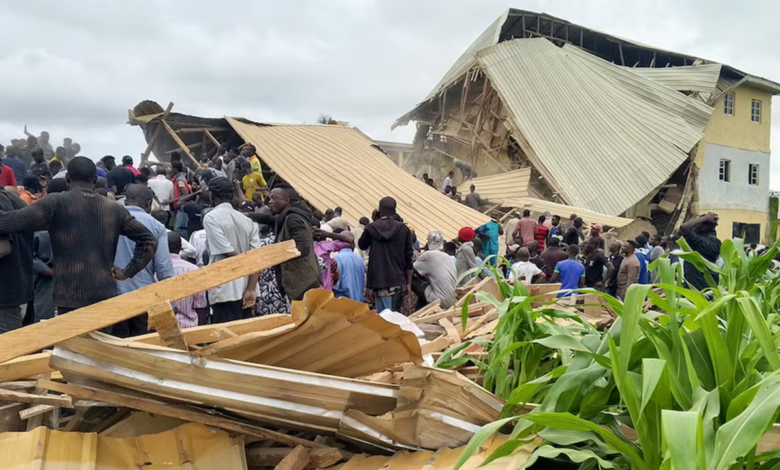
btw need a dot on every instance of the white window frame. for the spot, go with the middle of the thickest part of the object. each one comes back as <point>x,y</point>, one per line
<point>728,104</point>
<point>755,111</point>
<point>724,170</point>
<point>753,172</point>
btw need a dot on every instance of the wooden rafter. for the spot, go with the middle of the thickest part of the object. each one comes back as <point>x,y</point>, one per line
<point>201,129</point>
<point>155,135</point>
<point>179,142</point>
<point>211,137</point>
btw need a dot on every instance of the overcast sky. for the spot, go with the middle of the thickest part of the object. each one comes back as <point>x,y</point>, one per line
<point>75,68</point>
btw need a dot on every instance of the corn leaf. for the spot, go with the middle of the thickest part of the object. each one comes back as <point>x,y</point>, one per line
<point>479,438</point>
<point>684,439</point>
<point>575,455</point>
<point>740,435</point>
<point>652,369</point>
<point>758,324</point>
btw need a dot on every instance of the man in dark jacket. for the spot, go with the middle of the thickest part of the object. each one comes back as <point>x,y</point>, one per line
<point>291,220</point>
<point>390,262</point>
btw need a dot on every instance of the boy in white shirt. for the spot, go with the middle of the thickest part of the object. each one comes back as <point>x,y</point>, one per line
<point>524,270</point>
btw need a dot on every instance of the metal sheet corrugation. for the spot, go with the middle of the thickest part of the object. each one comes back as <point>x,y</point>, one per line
<point>702,78</point>
<point>588,216</point>
<point>496,188</point>
<point>599,144</point>
<point>186,447</point>
<point>334,166</point>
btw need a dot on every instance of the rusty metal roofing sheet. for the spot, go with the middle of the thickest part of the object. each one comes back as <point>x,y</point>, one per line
<point>334,166</point>
<point>701,78</point>
<point>601,141</point>
<point>186,447</point>
<point>496,188</point>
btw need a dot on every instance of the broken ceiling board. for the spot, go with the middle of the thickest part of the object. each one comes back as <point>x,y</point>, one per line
<point>267,393</point>
<point>124,398</point>
<point>436,408</point>
<point>332,336</point>
<point>497,188</point>
<point>334,166</point>
<point>540,206</point>
<point>141,423</point>
<point>320,457</point>
<point>598,154</point>
<point>186,447</point>
<point>108,312</point>
<point>702,78</point>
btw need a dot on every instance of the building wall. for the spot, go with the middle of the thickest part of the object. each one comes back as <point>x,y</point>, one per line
<point>741,141</point>
<point>728,217</point>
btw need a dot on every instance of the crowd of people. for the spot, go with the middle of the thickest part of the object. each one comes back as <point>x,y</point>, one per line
<point>74,232</point>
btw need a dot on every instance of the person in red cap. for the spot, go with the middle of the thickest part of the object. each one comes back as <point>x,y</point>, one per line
<point>595,232</point>
<point>467,258</point>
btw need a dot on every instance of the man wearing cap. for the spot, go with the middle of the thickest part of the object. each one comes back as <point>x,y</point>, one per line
<point>118,177</point>
<point>127,162</point>
<point>230,233</point>
<point>438,273</point>
<point>466,258</point>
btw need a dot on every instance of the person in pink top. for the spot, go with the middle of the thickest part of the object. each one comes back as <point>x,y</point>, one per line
<point>193,310</point>
<point>526,229</point>
<point>323,247</point>
<point>127,162</point>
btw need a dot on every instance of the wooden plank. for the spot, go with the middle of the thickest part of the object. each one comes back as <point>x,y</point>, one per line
<point>487,317</point>
<point>474,310</point>
<point>35,411</point>
<point>18,386</point>
<point>155,135</point>
<point>231,344</point>
<point>201,129</point>
<point>179,142</point>
<point>298,459</point>
<point>102,314</point>
<point>27,366</point>
<point>211,138</point>
<point>485,285</point>
<point>452,333</point>
<point>272,456</point>
<point>426,310</point>
<point>163,319</point>
<point>21,397</point>
<point>439,344</point>
<point>175,412</point>
<point>36,421</point>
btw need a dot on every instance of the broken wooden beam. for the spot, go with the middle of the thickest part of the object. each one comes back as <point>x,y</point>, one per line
<point>272,456</point>
<point>163,319</point>
<point>172,411</point>
<point>298,459</point>
<point>33,399</point>
<point>108,312</point>
<point>36,410</point>
<point>179,142</point>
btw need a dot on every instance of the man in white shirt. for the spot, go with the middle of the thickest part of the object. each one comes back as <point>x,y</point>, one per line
<point>447,181</point>
<point>525,270</point>
<point>230,233</point>
<point>161,186</point>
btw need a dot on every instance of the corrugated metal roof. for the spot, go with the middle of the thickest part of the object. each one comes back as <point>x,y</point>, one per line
<point>444,459</point>
<point>702,78</point>
<point>496,188</point>
<point>602,138</point>
<point>334,166</point>
<point>588,216</point>
<point>186,447</point>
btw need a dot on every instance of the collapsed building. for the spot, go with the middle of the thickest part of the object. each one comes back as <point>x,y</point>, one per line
<point>603,124</point>
<point>329,165</point>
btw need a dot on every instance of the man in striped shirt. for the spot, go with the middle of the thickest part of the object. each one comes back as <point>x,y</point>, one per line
<point>193,310</point>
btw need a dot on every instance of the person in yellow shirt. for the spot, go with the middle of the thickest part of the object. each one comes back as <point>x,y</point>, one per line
<point>248,151</point>
<point>251,181</point>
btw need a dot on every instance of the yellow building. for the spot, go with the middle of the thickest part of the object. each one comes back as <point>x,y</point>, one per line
<point>733,159</point>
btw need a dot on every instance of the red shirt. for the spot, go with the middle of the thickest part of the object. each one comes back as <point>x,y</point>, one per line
<point>7,177</point>
<point>541,235</point>
<point>135,172</point>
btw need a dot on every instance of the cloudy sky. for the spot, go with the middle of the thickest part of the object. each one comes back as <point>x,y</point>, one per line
<point>75,68</point>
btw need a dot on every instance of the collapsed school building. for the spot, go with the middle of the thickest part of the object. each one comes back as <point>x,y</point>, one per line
<point>602,123</point>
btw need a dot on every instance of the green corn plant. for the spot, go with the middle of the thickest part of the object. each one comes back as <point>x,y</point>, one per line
<point>692,386</point>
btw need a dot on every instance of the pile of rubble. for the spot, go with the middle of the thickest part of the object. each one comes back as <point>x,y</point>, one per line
<point>332,384</point>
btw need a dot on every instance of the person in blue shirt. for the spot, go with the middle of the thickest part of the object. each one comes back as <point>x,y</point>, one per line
<point>643,254</point>
<point>138,202</point>
<point>570,273</point>
<point>352,274</point>
<point>489,234</point>
<point>13,162</point>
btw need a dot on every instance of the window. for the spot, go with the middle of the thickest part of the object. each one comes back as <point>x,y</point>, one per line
<point>728,104</point>
<point>755,111</point>
<point>751,233</point>
<point>724,173</point>
<point>753,174</point>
